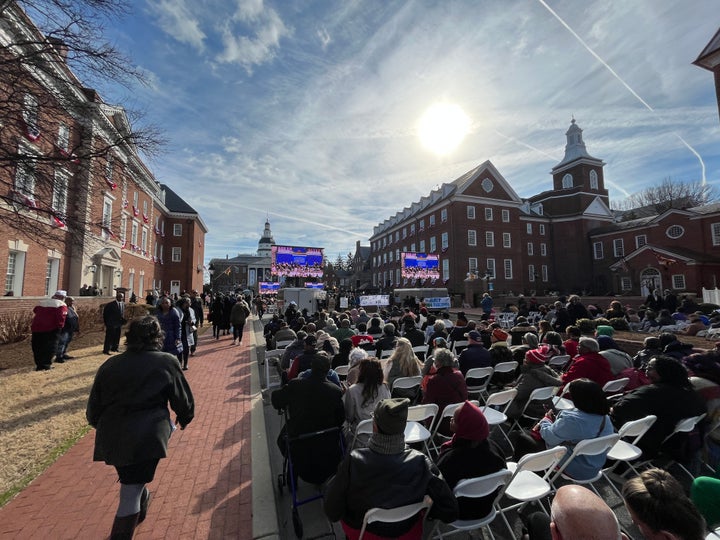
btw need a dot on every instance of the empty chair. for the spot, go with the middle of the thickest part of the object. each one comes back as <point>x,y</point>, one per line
<point>459,345</point>
<point>271,359</point>
<point>364,427</point>
<point>420,351</point>
<point>283,344</point>
<point>424,414</point>
<point>342,371</point>
<point>686,425</point>
<point>506,367</point>
<point>615,386</point>
<point>394,515</point>
<point>472,378</point>
<point>559,362</point>
<point>544,393</point>
<point>476,488</point>
<point>627,451</point>
<point>408,387</point>
<point>530,480</point>
<point>505,319</point>
<point>588,447</point>
<point>497,416</point>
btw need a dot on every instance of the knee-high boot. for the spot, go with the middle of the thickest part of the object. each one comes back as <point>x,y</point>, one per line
<point>124,527</point>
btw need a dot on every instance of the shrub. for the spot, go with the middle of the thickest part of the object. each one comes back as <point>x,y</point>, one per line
<point>586,326</point>
<point>620,324</point>
<point>15,326</point>
<point>133,311</point>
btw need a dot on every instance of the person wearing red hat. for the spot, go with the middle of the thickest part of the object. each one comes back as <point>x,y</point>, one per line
<point>470,454</point>
<point>534,373</point>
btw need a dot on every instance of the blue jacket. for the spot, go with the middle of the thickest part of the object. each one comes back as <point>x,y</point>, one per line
<point>572,427</point>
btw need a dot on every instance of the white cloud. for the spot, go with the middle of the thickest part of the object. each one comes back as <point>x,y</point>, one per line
<point>175,18</point>
<point>324,37</point>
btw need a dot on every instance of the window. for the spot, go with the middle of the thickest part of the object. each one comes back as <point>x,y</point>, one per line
<point>107,214</point>
<point>506,216</point>
<point>472,265</point>
<point>59,194</point>
<point>431,220</point>
<point>444,241</point>
<point>11,274</point>
<point>675,232</point>
<point>145,208</point>
<point>433,244</point>
<point>443,215</point>
<point>472,238</point>
<point>123,229</point>
<point>544,273</point>
<point>543,249</point>
<point>397,236</point>
<point>489,238</point>
<point>529,228</point>
<point>422,246</point>
<point>176,254</point>
<point>530,248</point>
<point>640,240</point>
<point>25,180</point>
<point>678,281</point>
<point>30,114</point>
<point>531,272</point>
<point>490,267</point>
<point>390,257</point>
<point>422,224</point>
<point>487,185</point>
<point>542,229</point>
<point>384,258</point>
<point>412,229</point>
<point>625,283</point>
<point>618,247</point>
<point>412,247</point>
<point>567,181</point>
<point>715,229</point>
<point>508,268</point>
<point>135,199</point>
<point>488,214</point>
<point>63,139</point>
<point>471,212</point>
<point>133,234</point>
<point>598,250</point>
<point>404,232</point>
<point>144,237</point>
<point>445,269</point>
<point>177,229</point>
<point>593,180</point>
<point>398,275</point>
<point>507,241</point>
<point>51,275</point>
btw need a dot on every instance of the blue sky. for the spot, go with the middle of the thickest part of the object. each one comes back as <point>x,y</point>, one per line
<point>306,112</point>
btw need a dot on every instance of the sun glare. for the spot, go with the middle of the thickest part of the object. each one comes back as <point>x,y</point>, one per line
<point>443,127</point>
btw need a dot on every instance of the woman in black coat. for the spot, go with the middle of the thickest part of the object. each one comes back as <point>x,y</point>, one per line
<point>128,407</point>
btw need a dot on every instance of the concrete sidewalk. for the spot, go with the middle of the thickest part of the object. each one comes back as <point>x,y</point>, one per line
<point>203,489</point>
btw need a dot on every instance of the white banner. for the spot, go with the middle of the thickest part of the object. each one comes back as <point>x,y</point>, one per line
<point>375,300</point>
<point>442,302</point>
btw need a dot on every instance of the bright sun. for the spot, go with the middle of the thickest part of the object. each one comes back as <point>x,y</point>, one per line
<point>443,127</point>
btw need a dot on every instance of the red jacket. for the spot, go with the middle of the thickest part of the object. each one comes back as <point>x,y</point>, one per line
<point>49,315</point>
<point>591,365</point>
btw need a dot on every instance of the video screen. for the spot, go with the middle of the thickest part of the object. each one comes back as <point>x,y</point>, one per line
<point>267,287</point>
<point>296,261</point>
<point>420,265</point>
<point>310,285</point>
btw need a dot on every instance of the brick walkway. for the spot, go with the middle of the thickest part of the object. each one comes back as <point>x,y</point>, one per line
<point>201,490</point>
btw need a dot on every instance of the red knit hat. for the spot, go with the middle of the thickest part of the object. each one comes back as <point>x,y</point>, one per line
<point>470,424</point>
<point>535,356</point>
<point>499,334</point>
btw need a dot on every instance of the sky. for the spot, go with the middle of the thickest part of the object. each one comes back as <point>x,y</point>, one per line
<point>307,112</point>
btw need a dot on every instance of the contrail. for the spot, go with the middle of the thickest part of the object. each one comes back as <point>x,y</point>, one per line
<point>293,218</point>
<point>626,85</point>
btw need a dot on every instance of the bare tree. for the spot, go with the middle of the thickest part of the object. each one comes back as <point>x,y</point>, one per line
<point>51,51</point>
<point>669,194</point>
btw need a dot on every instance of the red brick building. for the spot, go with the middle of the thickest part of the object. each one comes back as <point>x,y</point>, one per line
<point>566,239</point>
<point>78,205</point>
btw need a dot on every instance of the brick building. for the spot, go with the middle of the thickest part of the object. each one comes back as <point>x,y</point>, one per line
<point>566,239</point>
<point>78,205</point>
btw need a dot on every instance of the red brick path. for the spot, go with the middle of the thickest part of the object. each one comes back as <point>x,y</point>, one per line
<point>202,490</point>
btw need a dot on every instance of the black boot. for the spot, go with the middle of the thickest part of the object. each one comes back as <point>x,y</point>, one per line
<point>144,503</point>
<point>124,527</point>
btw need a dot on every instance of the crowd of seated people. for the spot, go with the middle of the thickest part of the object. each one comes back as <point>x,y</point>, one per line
<point>672,383</point>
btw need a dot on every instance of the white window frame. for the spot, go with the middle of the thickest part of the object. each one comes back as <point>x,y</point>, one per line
<point>593,180</point>
<point>543,249</point>
<point>177,254</point>
<point>470,212</point>
<point>443,215</point>
<point>445,269</point>
<point>433,244</point>
<point>472,237</point>
<point>488,214</point>
<point>508,266</point>
<point>680,231</point>
<point>60,192</point>
<point>444,241</point>
<point>507,240</point>
<point>52,273</point>
<point>177,229</point>
<point>678,282</point>
<point>567,181</point>
<point>529,228</point>
<point>489,239</point>
<point>473,265</point>
<point>598,252</point>
<point>544,273</point>
<point>134,233</point>
<point>25,178</point>
<point>618,247</point>
<point>530,248</point>
<point>625,283</point>
<point>63,137</point>
<point>14,272</point>
<point>490,267</point>
<point>505,215</point>
<point>431,220</point>
<point>640,240</point>
<point>31,111</point>
<point>107,211</point>
<point>715,231</point>
<point>422,246</point>
<point>144,238</point>
<point>531,273</point>
<point>542,229</point>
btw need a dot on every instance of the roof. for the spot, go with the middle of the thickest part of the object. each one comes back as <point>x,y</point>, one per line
<point>709,58</point>
<point>174,203</point>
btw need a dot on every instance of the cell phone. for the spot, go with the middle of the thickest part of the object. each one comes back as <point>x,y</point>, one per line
<point>550,408</point>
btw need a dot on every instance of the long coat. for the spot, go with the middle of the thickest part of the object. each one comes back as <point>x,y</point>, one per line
<point>128,406</point>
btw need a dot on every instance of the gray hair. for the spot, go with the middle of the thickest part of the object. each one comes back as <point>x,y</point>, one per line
<point>444,357</point>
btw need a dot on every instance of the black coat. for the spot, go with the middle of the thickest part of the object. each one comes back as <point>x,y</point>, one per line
<point>128,406</point>
<point>113,315</point>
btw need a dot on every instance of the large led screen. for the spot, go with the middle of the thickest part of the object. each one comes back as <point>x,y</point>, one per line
<point>420,265</point>
<point>297,261</point>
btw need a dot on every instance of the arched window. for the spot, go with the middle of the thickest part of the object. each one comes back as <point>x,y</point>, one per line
<point>567,181</point>
<point>593,180</point>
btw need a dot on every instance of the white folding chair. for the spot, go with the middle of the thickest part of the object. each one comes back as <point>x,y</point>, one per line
<point>342,371</point>
<point>505,320</point>
<point>407,384</point>
<point>506,367</point>
<point>615,386</point>
<point>497,417</point>
<point>559,362</point>
<point>420,350</point>
<point>543,393</point>
<point>424,414</point>
<point>283,344</point>
<point>476,488</point>
<point>686,425</point>
<point>386,353</point>
<point>713,535</point>
<point>526,484</point>
<point>394,515</point>
<point>364,427</point>
<point>459,345</point>
<point>447,412</point>
<point>588,447</point>
<point>484,373</point>
<point>627,451</point>
<point>271,359</point>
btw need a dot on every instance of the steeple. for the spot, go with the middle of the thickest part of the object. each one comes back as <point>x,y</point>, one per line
<point>266,241</point>
<point>575,147</point>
